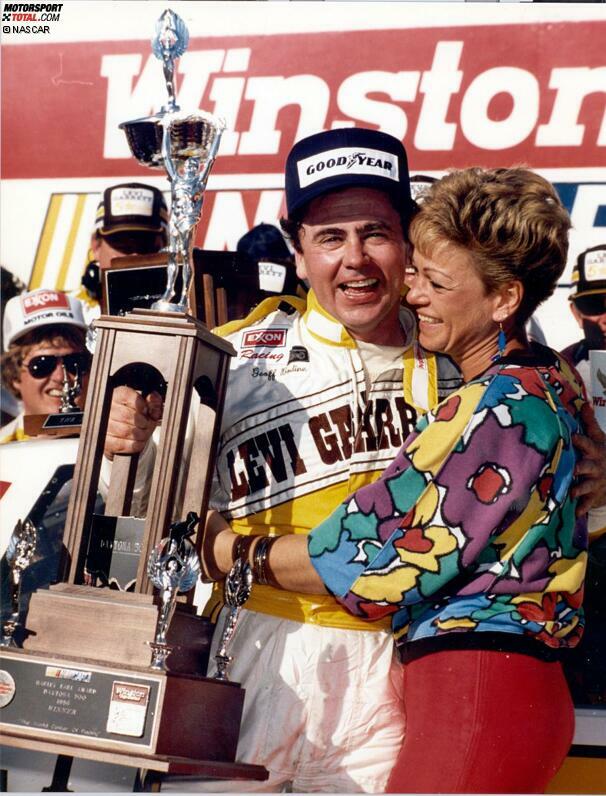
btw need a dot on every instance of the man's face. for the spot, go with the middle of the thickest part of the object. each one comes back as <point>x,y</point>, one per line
<point>43,395</point>
<point>590,314</point>
<point>353,256</point>
<point>123,243</point>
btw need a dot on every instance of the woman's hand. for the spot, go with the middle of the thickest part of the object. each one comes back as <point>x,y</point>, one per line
<point>591,469</point>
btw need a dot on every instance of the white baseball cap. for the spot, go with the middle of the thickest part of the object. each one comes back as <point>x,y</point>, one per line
<point>36,308</point>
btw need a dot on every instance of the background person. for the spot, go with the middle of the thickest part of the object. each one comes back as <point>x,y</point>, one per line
<point>131,218</point>
<point>10,286</point>
<point>588,305</point>
<point>43,333</point>
<point>468,541</point>
<point>585,667</point>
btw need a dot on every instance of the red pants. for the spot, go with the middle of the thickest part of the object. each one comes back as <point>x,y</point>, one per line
<point>482,722</point>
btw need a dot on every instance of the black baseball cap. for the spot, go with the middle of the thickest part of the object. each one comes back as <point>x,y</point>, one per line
<point>589,281</point>
<point>349,157</point>
<point>131,207</point>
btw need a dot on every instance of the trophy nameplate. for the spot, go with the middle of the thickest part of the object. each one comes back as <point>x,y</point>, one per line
<point>72,701</point>
<point>114,547</point>
<point>150,704</point>
<point>53,425</point>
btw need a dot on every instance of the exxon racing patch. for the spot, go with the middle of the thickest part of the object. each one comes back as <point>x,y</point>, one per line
<point>264,338</point>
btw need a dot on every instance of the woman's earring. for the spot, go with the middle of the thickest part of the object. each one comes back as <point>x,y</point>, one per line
<point>501,343</point>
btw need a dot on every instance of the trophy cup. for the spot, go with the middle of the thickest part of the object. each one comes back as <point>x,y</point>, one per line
<point>85,685</point>
<point>70,390</point>
<point>186,145</point>
<point>19,555</point>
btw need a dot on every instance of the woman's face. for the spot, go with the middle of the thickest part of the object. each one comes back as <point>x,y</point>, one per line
<point>457,316</point>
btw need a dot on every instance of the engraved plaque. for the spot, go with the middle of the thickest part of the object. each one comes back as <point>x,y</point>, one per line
<point>72,420</point>
<point>62,701</point>
<point>114,549</point>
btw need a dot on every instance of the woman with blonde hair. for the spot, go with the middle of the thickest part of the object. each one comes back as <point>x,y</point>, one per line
<point>469,539</point>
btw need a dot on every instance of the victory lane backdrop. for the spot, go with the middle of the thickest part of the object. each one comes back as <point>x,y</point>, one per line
<point>526,88</point>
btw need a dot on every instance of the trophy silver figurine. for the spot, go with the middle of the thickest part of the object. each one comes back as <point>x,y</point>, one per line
<point>183,143</point>
<point>173,567</point>
<point>19,554</point>
<point>70,390</point>
<point>238,585</point>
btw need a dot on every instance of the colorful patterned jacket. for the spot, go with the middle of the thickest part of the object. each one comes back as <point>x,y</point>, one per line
<point>470,534</point>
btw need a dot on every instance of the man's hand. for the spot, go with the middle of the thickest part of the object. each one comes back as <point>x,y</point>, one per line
<point>591,469</point>
<point>132,420</point>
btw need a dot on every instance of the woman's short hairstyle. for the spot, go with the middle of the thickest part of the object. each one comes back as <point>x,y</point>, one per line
<point>511,222</point>
<point>56,335</point>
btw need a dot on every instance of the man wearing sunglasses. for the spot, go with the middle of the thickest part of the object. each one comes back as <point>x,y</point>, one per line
<point>588,305</point>
<point>44,342</point>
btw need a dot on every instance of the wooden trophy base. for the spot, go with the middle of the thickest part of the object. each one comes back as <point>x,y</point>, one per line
<point>106,703</point>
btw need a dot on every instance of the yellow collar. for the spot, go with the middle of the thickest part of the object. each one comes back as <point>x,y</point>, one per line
<point>325,328</point>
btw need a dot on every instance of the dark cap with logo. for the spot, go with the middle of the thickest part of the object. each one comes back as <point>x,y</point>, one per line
<point>131,207</point>
<point>349,157</point>
<point>589,274</point>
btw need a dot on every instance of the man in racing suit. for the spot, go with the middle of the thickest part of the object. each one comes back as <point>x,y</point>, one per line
<point>321,395</point>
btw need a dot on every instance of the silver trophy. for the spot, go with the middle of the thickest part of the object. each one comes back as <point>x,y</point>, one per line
<point>183,143</point>
<point>70,390</point>
<point>19,554</point>
<point>173,567</point>
<point>238,585</point>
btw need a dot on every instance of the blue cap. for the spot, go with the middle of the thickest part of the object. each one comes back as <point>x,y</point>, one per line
<point>349,157</point>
